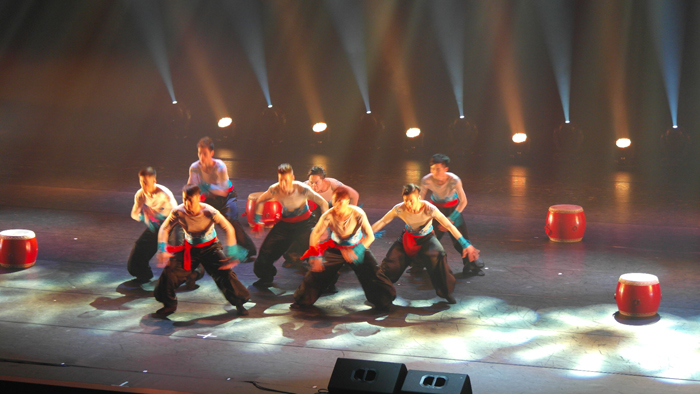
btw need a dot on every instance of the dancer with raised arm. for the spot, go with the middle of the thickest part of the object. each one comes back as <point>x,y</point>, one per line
<point>447,194</point>
<point>201,246</point>
<point>418,242</point>
<point>351,236</point>
<point>293,229</point>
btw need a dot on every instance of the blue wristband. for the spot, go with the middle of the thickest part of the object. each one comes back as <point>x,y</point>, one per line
<point>258,218</point>
<point>161,247</point>
<point>236,252</point>
<point>359,250</point>
<point>379,233</point>
<point>463,242</point>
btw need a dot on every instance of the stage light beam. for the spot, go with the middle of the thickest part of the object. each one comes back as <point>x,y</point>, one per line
<point>448,22</point>
<point>349,22</point>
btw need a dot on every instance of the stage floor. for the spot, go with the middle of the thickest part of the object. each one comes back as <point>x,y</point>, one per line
<point>542,320</point>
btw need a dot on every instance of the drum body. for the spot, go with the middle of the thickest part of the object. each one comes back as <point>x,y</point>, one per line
<point>271,212</point>
<point>638,295</point>
<point>18,249</point>
<point>565,223</point>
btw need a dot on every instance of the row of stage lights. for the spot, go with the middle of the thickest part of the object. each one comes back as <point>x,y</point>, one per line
<point>567,138</point>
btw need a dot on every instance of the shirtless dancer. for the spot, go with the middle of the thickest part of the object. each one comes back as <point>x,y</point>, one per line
<point>152,204</point>
<point>447,194</point>
<point>351,236</point>
<point>418,242</point>
<point>211,176</point>
<point>294,226</point>
<point>201,247</point>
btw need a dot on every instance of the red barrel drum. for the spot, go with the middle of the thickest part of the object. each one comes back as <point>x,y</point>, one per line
<point>565,223</point>
<point>638,295</point>
<point>271,212</point>
<point>18,249</point>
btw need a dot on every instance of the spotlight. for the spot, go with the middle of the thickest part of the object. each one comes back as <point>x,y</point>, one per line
<point>174,101</point>
<point>519,138</point>
<point>225,122</point>
<point>623,143</point>
<point>413,132</point>
<point>675,145</point>
<point>461,116</point>
<point>461,137</point>
<point>624,154</point>
<point>567,121</point>
<point>369,112</point>
<point>319,127</point>
<point>675,126</point>
<point>567,139</point>
<point>269,106</point>
<point>520,148</point>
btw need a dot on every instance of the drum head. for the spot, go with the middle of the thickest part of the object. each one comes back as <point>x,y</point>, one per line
<point>637,279</point>
<point>565,208</point>
<point>17,234</point>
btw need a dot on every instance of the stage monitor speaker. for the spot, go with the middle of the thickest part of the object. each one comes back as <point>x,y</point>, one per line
<point>422,382</point>
<point>366,377</point>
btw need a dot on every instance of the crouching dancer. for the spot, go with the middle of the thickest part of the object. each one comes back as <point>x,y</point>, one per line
<point>201,247</point>
<point>351,236</point>
<point>418,242</point>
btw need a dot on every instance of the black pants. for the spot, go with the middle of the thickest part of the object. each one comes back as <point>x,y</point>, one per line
<point>211,257</point>
<point>145,248</point>
<point>377,287</point>
<point>462,227</point>
<point>282,237</point>
<point>229,208</point>
<point>431,255</point>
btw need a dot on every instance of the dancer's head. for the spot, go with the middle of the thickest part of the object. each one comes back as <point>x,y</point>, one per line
<point>411,197</point>
<point>316,176</point>
<point>439,165</point>
<point>341,198</point>
<point>190,198</point>
<point>285,176</point>
<point>147,179</point>
<point>205,151</point>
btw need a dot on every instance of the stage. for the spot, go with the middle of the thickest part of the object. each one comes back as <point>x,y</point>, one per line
<point>542,319</point>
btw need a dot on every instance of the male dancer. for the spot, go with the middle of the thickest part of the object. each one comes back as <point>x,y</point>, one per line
<point>201,247</point>
<point>418,242</point>
<point>152,204</point>
<point>294,226</point>
<point>447,194</point>
<point>326,186</point>
<point>351,236</point>
<point>211,176</point>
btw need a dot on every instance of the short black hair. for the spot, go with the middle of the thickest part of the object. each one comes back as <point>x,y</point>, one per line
<point>147,171</point>
<point>191,190</point>
<point>439,158</point>
<point>317,170</point>
<point>410,189</point>
<point>284,168</point>
<point>206,142</point>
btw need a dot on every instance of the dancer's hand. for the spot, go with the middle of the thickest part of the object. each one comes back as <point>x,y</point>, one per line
<point>316,263</point>
<point>163,259</point>
<point>472,252</point>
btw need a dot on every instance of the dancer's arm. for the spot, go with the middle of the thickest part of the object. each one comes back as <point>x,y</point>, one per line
<point>385,220</point>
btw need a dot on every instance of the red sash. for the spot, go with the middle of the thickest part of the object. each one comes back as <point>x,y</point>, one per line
<point>187,263</point>
<point>319,249</point>
<point>448,204</point>
<point>409,243</point>
<point>298,218</point>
